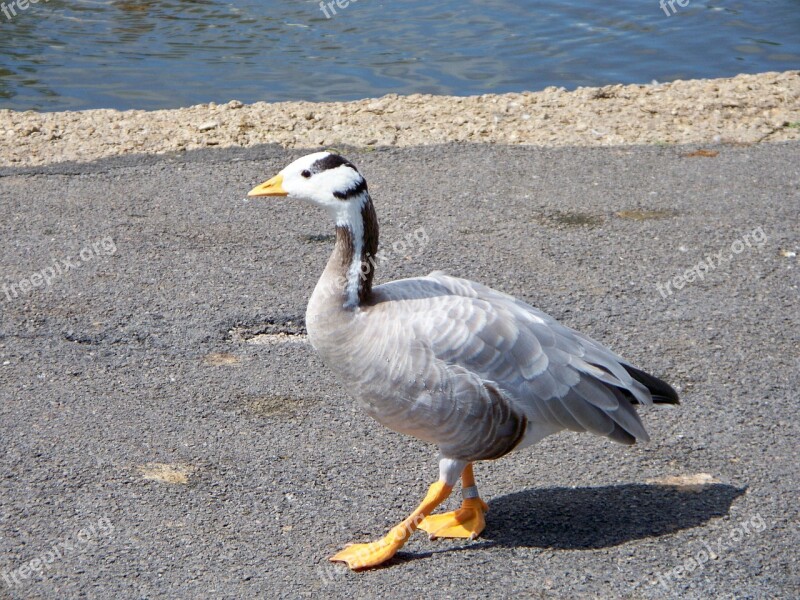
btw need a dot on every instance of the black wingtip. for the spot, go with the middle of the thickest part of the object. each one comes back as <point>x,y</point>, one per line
<point>661,391</point>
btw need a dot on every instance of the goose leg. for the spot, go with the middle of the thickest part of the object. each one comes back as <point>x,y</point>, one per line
<point>466,522</point>
<point>364,556</point>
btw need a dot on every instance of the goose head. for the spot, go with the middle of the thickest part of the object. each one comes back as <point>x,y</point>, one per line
<point>333,182</point>
<point>324,179</point>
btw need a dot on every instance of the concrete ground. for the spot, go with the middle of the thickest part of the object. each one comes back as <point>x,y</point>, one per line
<point>168,432</point>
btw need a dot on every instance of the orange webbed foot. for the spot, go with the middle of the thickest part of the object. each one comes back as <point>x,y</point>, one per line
<point>467,522</point>
<point>364,556</point>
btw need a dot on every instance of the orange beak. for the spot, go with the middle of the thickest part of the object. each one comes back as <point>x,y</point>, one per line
<point>273,187</point>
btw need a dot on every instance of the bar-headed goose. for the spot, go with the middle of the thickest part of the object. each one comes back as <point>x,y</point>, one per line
<point>452,362</point>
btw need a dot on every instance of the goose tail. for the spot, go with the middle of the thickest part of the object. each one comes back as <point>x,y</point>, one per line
<point>661,391</point>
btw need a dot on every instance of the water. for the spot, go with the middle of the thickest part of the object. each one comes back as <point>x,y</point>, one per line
<point>82,54</point>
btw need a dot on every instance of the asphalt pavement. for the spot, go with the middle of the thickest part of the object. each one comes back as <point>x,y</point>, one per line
<point>168,432</point>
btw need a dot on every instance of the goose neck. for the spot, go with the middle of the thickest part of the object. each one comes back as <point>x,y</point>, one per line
<point>347,279</point>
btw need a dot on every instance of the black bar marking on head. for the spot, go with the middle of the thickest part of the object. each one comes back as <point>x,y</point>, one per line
<point>355,190</point>
<point>331,162</point>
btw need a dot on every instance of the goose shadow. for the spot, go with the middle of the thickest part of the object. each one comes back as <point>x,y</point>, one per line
<point>591,518</point>
<point>600,517</point>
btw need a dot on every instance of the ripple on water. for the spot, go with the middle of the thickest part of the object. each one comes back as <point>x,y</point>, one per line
<point>157,54</point>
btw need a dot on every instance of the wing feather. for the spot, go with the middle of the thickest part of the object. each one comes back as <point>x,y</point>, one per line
<point>471,336</point>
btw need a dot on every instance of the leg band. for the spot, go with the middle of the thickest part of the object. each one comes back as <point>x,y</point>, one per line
<point>469,492</point>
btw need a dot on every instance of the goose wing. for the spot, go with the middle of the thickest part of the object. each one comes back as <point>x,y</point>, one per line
<point>557,377</point>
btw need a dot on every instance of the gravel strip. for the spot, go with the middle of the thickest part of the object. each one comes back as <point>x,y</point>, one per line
<point>743,109</point>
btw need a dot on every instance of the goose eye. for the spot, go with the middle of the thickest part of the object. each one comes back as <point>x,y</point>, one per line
<point>306,173</point>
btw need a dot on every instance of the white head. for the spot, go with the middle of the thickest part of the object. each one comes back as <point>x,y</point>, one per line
<point>323,178</point>
<point>332,182</point>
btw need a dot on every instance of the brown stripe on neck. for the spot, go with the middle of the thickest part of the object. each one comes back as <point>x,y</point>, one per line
<point>369,261</point>
<point>345,249</point>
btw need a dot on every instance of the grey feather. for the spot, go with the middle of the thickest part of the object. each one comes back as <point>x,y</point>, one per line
<point>451,361</point>
<point>423,351</point>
